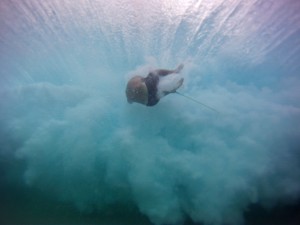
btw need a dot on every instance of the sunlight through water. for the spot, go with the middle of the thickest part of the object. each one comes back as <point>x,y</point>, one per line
<point>73,151</point>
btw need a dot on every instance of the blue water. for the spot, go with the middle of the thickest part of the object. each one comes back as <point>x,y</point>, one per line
<point>73,151</point>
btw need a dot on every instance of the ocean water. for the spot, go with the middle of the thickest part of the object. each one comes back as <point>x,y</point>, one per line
<point>73,151</point>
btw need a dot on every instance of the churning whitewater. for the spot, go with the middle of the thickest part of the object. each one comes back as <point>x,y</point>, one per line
<point>65,119</point>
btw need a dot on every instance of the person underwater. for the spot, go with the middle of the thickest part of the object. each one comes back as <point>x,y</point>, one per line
<point>158,83</point>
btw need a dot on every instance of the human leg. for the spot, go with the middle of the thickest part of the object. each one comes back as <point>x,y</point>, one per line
<point>164,72</point>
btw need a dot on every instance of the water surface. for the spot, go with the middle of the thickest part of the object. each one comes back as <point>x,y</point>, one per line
<point>73,151</point>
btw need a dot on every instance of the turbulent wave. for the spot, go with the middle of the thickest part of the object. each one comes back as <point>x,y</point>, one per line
<point>64,68</point>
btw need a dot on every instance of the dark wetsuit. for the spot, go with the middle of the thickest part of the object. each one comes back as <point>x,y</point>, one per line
<point>151,82</point>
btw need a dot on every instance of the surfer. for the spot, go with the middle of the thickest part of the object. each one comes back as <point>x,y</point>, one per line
<point>149,90</point>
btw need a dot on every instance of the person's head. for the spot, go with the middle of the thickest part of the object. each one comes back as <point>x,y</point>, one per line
<point>136,90</point>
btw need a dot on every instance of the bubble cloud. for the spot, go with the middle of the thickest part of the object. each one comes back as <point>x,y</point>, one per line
<point>64,107</point>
